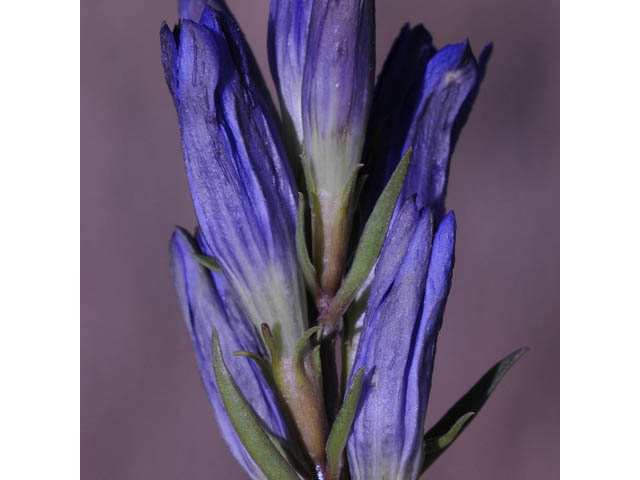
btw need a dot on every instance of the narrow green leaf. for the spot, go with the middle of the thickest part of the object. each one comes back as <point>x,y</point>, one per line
<point>270,342</point>
<point>208,262</point>
<point>342,426</point>
<point>247,425</point>
<point>308,270</point>
<point>470,403</point>
<point>262,363</point>
<point>302,348</point>
<point>432,445</point>
<point>372,238</point>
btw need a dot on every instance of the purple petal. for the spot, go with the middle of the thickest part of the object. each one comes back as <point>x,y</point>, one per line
<point>241,184</point>
<point>337,88</point>
<point>193,9</point>
<point>432,107</point>
<point>287,47</point>
<point>397,346</point>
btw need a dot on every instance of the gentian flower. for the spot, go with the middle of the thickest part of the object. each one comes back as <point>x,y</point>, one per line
<point>266,357</point>
<point>397,345</point>
<point>422,100</point>
<point>241,184</point>
<point>206,302</point>
<point>322,55</point>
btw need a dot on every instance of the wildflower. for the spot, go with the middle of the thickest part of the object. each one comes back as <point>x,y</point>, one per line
<point>397,345</point>
<point>241,184</point>
<point>267,357</point>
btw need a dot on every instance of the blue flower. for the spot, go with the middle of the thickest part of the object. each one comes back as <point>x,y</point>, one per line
<point>422,100</point>
<point>398,343</point>
<point>206,302</point>
<point>242,188</point>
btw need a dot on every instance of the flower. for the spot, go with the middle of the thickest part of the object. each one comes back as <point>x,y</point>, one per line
<point>397,345</point>
<point>206,302</point>
<point>422,100</point>
<point>322,57</point>
<point>241,184</point>
<point>379,293</point>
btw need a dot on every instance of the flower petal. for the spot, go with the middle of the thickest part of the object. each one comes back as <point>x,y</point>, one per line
<point>397,346</point>
<point>205,303</point>
<point>241,184</point>
<point>337,88</point>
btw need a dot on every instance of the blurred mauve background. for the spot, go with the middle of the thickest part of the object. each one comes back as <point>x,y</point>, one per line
<point>144,413</point>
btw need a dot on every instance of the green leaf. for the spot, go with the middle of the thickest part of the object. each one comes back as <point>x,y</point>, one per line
<point>470,403</point>
<point>308,270</point>
<point>270,342</point>
<point>208,262</point>
<point>372,238</point>
<point>432,445</point>
<point>247,425</point>
<point>342,426</point>
<point>302,348</point>
<point>262,363</point>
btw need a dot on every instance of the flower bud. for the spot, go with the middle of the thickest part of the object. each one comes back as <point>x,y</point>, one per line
<point>241,184</point>
<point>336,97</point>
<point>422,100</point>
<point>397,345</point>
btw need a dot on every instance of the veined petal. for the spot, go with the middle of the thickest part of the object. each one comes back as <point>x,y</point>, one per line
<point>337,89</point>
<point>287,47</point>
<point>241,184</point>
<point>394,102</point>
<point>435,102</point>
<point>397,346</point>
<point>205,303</point>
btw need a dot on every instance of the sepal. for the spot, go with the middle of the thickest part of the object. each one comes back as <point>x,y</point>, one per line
<point>371,241</point>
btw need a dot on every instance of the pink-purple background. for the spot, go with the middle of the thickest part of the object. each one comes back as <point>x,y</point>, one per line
<point>144,413</point>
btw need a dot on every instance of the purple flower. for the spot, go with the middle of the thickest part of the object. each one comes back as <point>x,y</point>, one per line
<point>206,302</point>
<point>422,100</point>
<point>337,89</point>
<point>241,184</point>
<point>397,345</point>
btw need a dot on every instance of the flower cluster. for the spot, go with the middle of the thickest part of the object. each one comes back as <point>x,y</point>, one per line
<point>276,285</point>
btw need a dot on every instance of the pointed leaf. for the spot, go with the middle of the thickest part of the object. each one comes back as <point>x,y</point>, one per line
<point>372,238</point>
<point>471,402</point>
<point>262,363</point>
<point>342,427</point>
<point>308,270</point>
<point>302,349</point>
<point>208,262</point>
<point>245,422</point>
